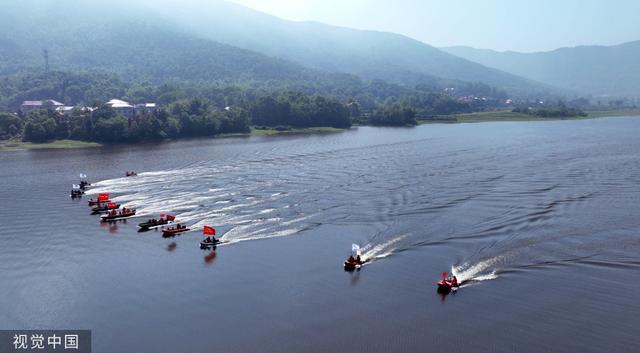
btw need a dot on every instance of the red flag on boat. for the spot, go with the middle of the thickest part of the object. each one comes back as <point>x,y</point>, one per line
<point>103,197</point>
<point>209,230</point>
<point>444,275</point>
<point>112,205</point>
<point>170,217</point>
<point>162,215</point>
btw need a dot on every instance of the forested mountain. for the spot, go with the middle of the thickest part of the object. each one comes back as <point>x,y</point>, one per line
<point>215,67</point>
<point>139,49</point>
<point>104,49</point>
<point>183,40</point>
<point>368,54</point>
<point>97,52</point>
<point>598,70</point>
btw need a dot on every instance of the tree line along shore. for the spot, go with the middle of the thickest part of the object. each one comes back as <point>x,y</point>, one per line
<point>57,132</point>
<point>210,109</point>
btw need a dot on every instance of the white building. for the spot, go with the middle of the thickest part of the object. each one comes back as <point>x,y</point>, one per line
<point>148,108</point>
<point>65,110</point>
<point>121,107</point>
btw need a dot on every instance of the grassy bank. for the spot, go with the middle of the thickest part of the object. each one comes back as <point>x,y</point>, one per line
<point>506,115</point>
<point>605,113</point>
<point>274,132</point>
<point>308,130</point>
<point>17,145</point>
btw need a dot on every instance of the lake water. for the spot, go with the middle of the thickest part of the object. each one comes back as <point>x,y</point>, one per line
<point>542,219</point>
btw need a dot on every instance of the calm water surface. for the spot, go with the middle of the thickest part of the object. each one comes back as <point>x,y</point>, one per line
<point>541,218</point>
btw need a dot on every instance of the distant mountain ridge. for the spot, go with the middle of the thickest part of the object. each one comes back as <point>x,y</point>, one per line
<point>217,40</point>
<point>597,70</point>
<point>368,54</point>
<point>140,49</point>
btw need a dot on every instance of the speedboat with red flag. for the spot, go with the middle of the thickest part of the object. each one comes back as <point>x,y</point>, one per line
<point>210,240</point>
<point>446,285</point>
<point>173,231</point>
<point>102,198</point>
<point>115,215</point>
<point>105,206</point>
<point>354,262</point>
<point>157,223</point>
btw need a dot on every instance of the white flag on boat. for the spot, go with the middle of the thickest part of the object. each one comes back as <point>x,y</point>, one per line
<point>82,176</point>
<point>355,249</point>
<point>75,186</point>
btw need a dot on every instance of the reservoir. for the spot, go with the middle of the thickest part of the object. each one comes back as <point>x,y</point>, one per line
<point>541,219</point>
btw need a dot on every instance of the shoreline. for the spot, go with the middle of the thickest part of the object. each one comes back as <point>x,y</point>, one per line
<point>509,116</point>
<point>479,117</point>
<point>293,131</point>
<point>18,145</point>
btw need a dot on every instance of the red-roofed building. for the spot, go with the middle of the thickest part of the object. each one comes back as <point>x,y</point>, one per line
<point>28,106</point>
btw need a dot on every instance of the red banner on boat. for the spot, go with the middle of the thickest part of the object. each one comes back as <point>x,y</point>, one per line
<point>162,215</point>
<point>170,217</point>
<point>103,197</point>
<point>209,230</point>
<point>112,205</point>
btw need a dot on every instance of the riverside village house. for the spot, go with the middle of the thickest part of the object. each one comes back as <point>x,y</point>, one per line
<point>119,106</point>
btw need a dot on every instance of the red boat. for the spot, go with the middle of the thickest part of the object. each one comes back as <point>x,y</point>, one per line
<point>168,232</point>
<point>103,197</point>
<point>446,285</point>
<point>105,206</point>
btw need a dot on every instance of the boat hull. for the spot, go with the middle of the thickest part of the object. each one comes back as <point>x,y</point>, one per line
<point>205,245</point>
<point>445,287</point>
<point>96,202</point>
<point>173,232</point>
<point>105,218</point>
<point>352,266</point>
<point>149,226</point>
<point>96,210</point>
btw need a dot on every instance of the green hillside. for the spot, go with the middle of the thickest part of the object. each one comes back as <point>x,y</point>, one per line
<point>368,54</point>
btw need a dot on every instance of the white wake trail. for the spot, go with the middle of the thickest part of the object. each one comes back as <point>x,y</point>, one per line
<point>476,272</point>
<point>372,252</point>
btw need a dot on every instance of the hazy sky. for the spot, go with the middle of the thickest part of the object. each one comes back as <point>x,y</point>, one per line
<point>495,24</point>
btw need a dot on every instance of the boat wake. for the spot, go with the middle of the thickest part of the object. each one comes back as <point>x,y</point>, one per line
<point>198,196</point>
<point>468,273</point>
<point>372,252</point>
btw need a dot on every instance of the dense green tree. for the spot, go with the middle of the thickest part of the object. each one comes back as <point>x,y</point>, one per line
<point>10,126</point>
<point>393,115</point>
<point>41,126</point>
<point>111,130</point>
<point>559,110</point>
<point>299,110</point>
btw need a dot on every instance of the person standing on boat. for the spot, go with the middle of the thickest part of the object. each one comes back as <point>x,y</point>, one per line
<point>210,232</point>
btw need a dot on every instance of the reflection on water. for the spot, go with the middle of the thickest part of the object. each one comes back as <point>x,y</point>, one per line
<point>210,257</point>
<point>502,206</point>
